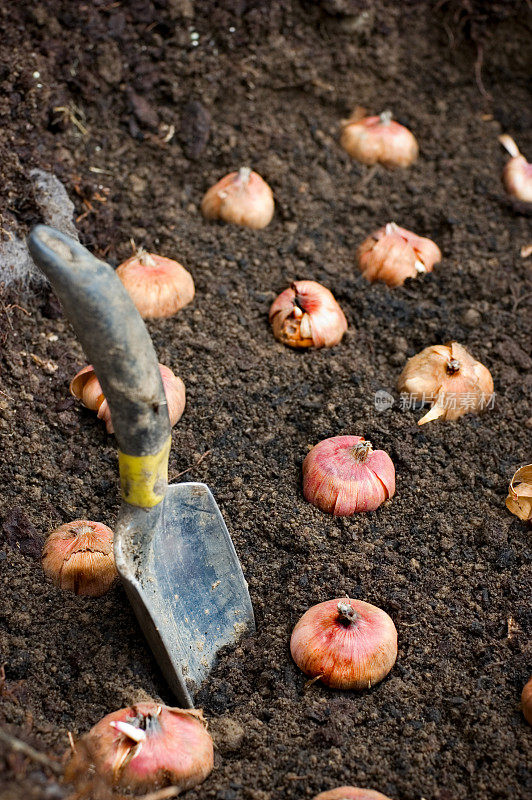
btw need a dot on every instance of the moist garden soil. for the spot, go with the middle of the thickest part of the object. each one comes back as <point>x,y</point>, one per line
<point>265,84</point>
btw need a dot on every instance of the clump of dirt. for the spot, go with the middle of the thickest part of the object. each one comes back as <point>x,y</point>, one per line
<point>137,108</point>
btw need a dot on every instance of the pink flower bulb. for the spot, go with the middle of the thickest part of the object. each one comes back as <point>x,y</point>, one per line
<point>307,315</point>
<point>379,139</point>
<point>144,747</point>
<point>347,644</point>
<point>344,475</point>
<point>240,198</point>
<point>392,254</point>
<point>350,793</point>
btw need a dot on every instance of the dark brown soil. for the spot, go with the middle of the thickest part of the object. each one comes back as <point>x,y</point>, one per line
<point>266,85</point>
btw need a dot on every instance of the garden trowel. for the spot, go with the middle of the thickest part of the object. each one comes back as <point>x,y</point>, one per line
<point>172,548</point>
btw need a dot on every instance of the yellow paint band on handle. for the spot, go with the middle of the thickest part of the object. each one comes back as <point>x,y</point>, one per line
<point>143,479</point>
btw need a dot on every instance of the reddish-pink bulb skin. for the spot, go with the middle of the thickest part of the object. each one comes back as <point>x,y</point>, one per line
<point>177,749</point>
<point>350,793</point>
<point>343,654</point>
<point>392,254</point>
<point>337,481</point>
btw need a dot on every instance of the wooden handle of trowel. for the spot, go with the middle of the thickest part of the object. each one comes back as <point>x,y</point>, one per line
<point>116,342</point>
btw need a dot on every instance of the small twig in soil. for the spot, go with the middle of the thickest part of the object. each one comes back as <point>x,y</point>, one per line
<point>14,305</point>
<point>21,747</point>
<point>193,466</point>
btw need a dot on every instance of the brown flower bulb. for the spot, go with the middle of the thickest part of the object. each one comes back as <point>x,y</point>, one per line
<point>350,793</point>
<point>517,174</point>
<point>307,315</point>
<point>450,378</point>
<point>241,198</point>
<point>147,746</point>
<point>158,286</point>
<point>78,556</point>
<point>526,701</point>
<point>379,139</point>
<point>393,254</point>
<point>519,500</point>
<point>85,386</point>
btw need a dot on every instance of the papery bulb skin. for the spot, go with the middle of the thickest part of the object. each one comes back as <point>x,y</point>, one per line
<point>307,315</point>
<point>348,644</point>
<point>519,500</point>
<point>241,198</point>
<point>526,701</point>
<point>392,254</point>
<point>448,376</point>
<point>144,747</point>
<point>85,387</point>
<point>379,139</point>
<point>158,286</point>
<point>78,557</point>
<point>350,793</point>
<point>344,475</point>
<point>517,173</point>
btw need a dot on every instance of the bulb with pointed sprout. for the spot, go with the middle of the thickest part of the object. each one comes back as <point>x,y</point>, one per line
<point>147,746</point>
<point>448,376</point>
<point>344,475</point>
<point>378,139</point>
<point>85,386</point>
<point>307,315</point>
<point>78,556</point>
<point>393,254</point>
<point>347,644</point>
<point>241,198</point>
<point>517,174</point>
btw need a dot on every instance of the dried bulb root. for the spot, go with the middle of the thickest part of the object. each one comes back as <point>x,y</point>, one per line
<point>519,500</point>
<point>78,557</point>
<point>378,139</point>
<point>448,377</point>
<point>241,198</point>
<point>392,254</point>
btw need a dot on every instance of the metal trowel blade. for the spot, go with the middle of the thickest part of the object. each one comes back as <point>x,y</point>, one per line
<point>185,582</point>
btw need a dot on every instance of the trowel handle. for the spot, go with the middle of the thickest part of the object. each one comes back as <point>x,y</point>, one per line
<point>116,342</point>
